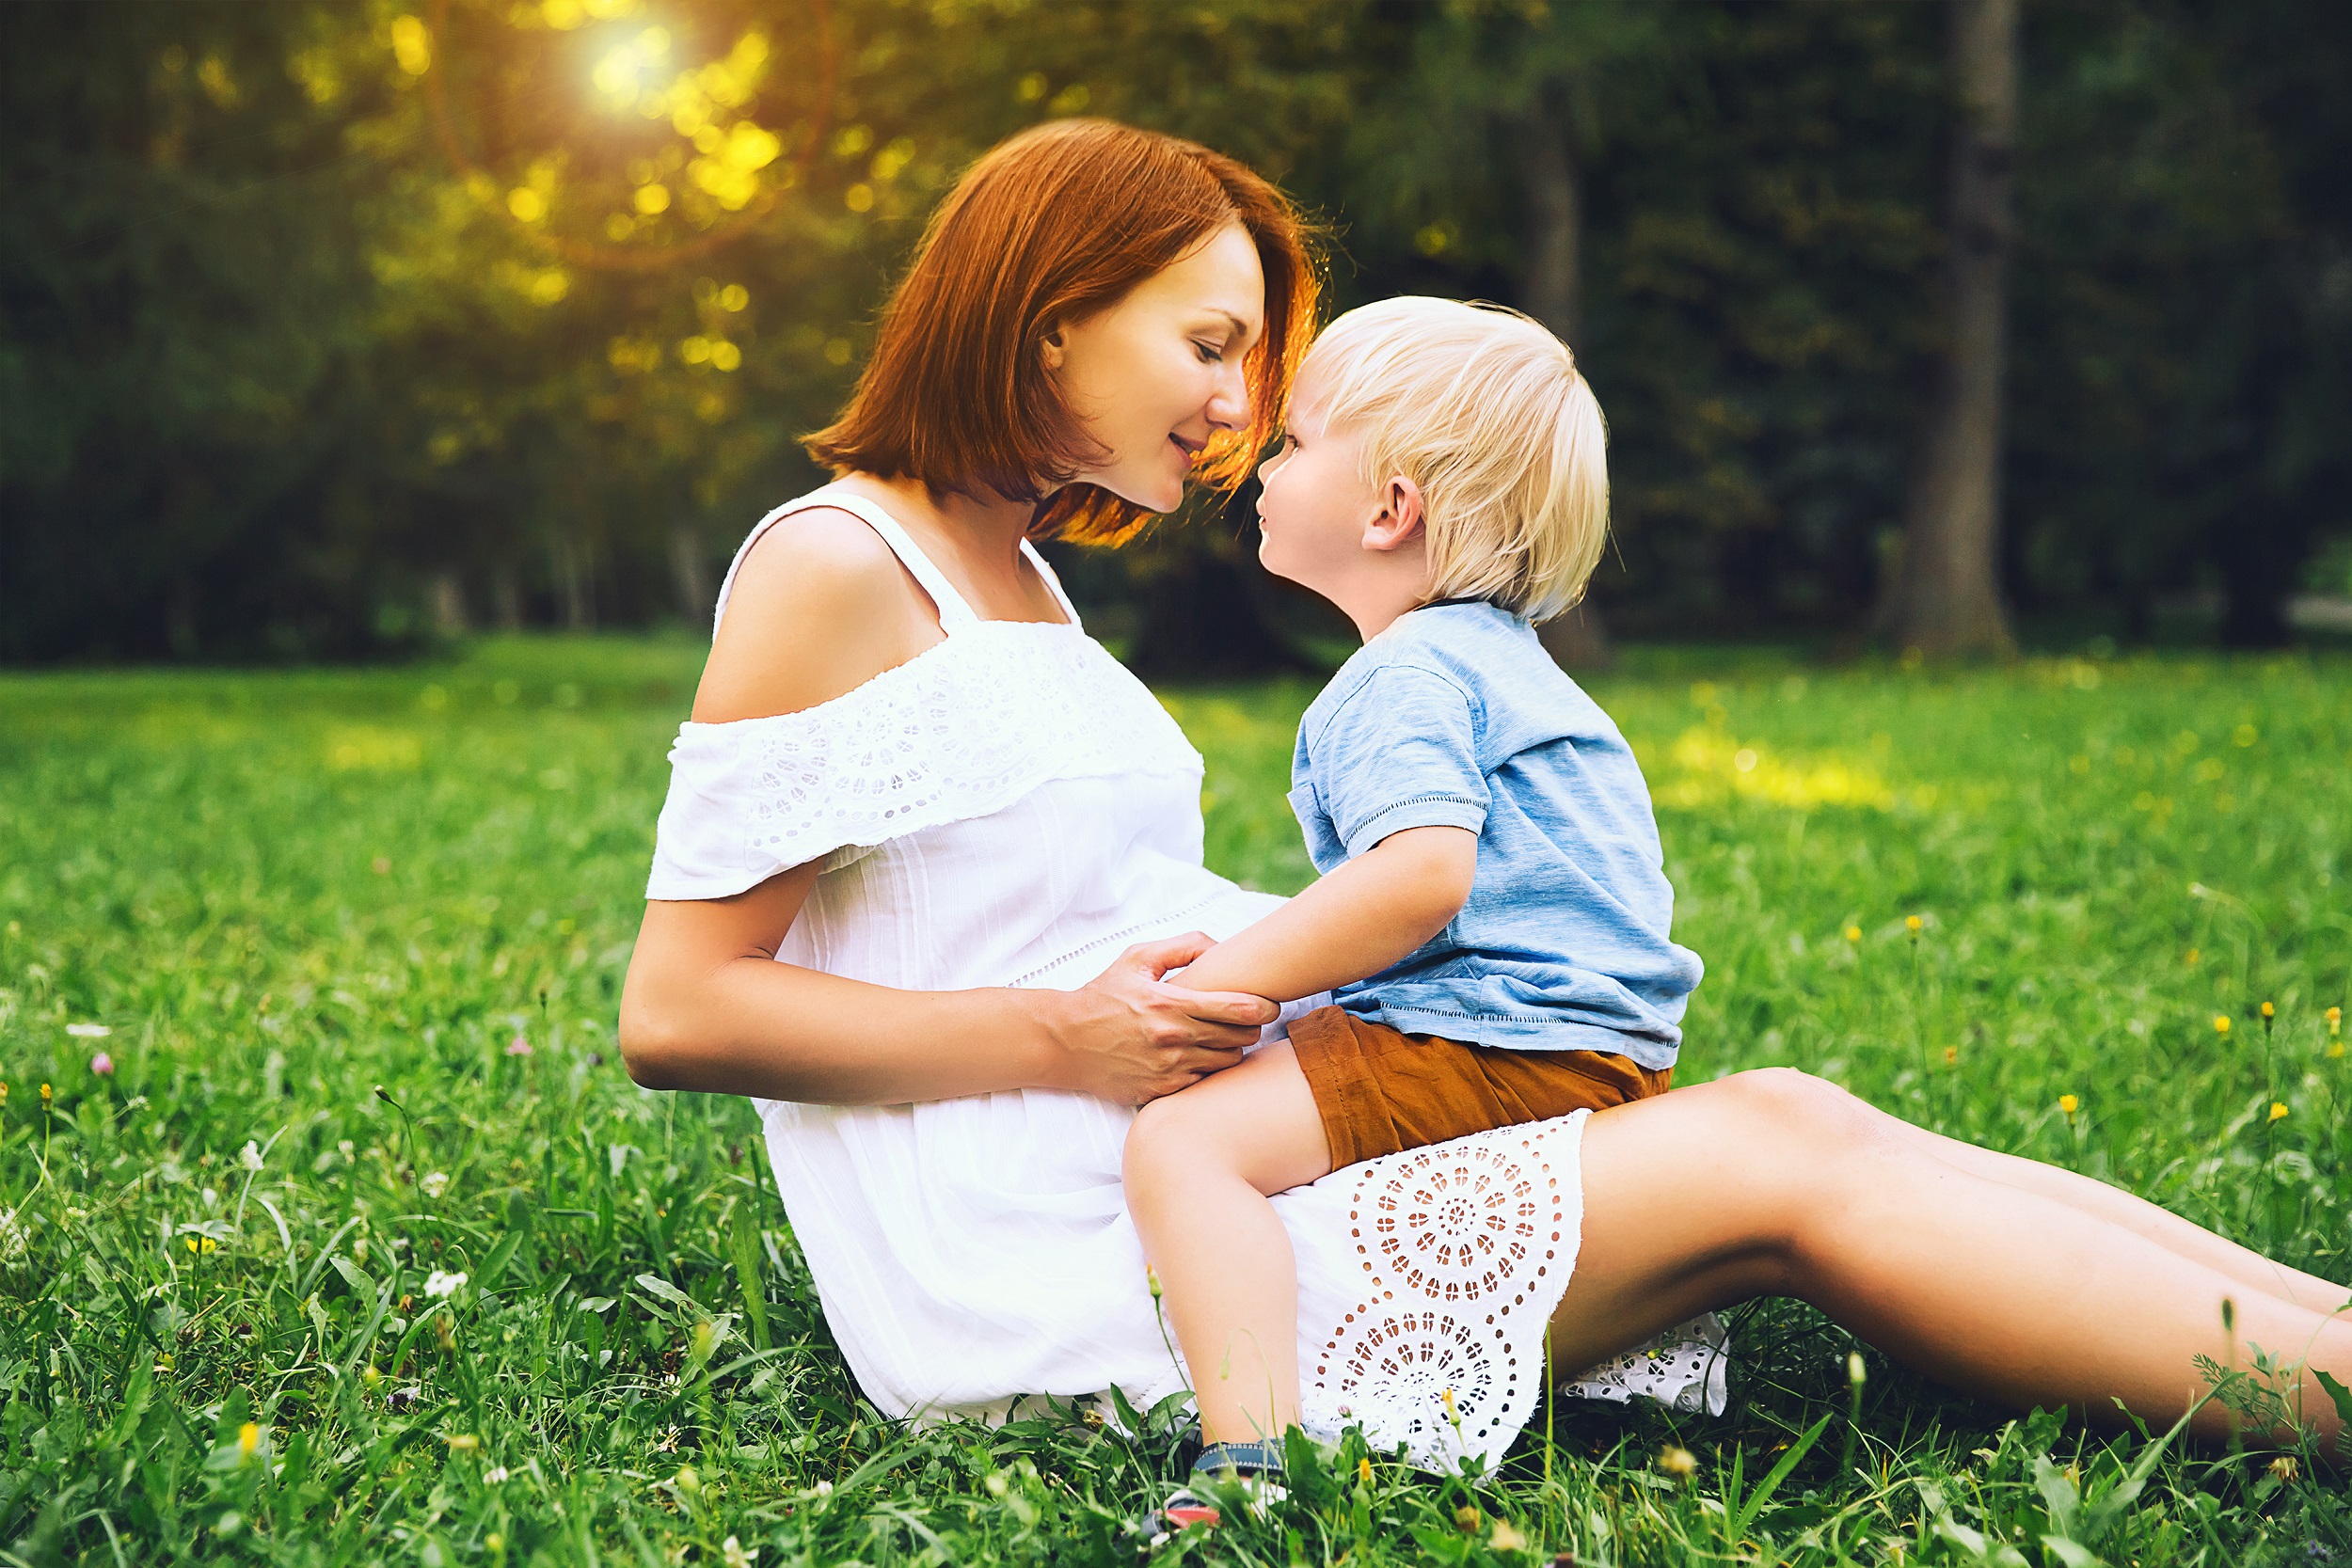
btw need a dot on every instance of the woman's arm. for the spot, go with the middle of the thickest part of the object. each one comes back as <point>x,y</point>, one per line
<point>1354,923</point>
<point>706,1006</point>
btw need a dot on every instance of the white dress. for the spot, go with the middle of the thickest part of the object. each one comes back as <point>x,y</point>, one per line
<point>1013,808</point>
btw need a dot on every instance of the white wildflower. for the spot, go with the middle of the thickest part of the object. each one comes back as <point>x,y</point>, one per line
<point>733,1554</point>
<point>495,1475</point>
<point>250,1155</point>
<point>436,1185</point>
<point>87,1031</point>
<point>440,1287</point>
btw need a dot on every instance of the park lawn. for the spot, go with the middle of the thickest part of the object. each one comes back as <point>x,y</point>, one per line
<point>357,939</point>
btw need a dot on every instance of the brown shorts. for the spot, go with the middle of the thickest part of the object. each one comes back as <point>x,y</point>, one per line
<point>1380,1092</point>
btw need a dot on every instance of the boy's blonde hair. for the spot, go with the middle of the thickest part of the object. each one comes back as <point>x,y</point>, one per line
<point>1483,409</point>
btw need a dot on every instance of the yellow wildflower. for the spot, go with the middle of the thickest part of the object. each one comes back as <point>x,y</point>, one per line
<point>1363,1471</point>
<point>2269,1010</point>
<point>2278,1110</point>
<point>2221,1024</point>
<point>1680,1463</point>
<point>249,1440</point>
<point>1912,924</point>
<point>1854,933</point>
<point>2069,1105</point>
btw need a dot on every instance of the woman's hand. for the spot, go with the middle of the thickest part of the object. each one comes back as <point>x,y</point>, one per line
<point>1128,1036</point>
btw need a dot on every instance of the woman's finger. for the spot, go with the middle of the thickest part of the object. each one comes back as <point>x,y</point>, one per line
<point>1167,953</point>
<point>1225,1007</point>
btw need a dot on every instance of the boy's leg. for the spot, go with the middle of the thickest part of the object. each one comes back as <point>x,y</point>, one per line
<point>1200,1166</point>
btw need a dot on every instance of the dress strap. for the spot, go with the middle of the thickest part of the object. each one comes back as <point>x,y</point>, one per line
<point>1037,559</point>
<point>953,612</point>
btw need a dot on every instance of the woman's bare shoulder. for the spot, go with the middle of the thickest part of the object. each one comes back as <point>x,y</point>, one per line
<point>819,607</point>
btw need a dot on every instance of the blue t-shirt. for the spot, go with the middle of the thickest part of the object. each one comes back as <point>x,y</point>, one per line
<point>1457,716</point>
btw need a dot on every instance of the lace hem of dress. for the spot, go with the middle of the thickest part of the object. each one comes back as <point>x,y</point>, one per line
<point>1466,1248</point>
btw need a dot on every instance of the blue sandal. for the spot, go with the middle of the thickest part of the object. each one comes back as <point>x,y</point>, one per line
<point>1251,1463</point>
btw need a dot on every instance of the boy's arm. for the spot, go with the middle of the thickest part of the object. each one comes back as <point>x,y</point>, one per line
<point>1352,924</point>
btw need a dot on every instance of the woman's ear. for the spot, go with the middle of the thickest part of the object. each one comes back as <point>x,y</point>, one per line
<point>1399,522</point>
<point>1055,349</point>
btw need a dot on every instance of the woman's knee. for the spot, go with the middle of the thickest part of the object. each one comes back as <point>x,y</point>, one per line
<point>1814,1112</point>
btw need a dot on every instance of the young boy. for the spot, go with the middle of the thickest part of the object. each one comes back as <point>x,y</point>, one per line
<point>1492,916</point>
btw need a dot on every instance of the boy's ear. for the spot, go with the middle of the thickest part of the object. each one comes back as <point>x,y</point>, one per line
<point>1399,521</point>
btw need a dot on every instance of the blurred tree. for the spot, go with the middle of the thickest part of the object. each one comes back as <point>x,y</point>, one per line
<point>1943,594</point>
<point>324,323</point>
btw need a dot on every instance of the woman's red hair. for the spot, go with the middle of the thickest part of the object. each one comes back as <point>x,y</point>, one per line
<point>1050,227</point>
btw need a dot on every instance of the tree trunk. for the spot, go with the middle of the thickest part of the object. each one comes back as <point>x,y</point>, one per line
<point>690,572</point>
<point>1944,597</point>
<point>1552,292</point>
<point>448,606</point>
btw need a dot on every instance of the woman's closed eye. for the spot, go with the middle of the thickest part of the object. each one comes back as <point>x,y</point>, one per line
<point>1211,354</point>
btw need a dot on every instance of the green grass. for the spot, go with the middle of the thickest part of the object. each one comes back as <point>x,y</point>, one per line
<point>280,892</point>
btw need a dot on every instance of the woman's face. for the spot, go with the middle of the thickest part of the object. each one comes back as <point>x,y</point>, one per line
<point>1153,376</point>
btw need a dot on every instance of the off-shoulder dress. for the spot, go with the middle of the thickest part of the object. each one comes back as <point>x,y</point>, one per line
<point>1013,808</point>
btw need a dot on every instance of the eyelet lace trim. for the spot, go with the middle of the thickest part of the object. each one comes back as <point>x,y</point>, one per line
<point>962,731</point>
<point>1466,1248</point>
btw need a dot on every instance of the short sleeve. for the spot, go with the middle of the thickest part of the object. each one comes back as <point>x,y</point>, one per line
<point>1400,752</point>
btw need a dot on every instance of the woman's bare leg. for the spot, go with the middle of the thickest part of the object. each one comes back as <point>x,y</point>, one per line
<point>1775,1183</point>
<point>2160,1225</point>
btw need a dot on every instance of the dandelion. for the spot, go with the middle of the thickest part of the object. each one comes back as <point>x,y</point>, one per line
<point>250,1155</point>
<point>1467,1519</point>
<point>2068,1104</point>
<point>1680,1463</point>
<point>47,1094</point>
<point>249,1440</point>
<point>2278,1110</point>
<point>1951,1055</point>
<point>733,1554</point>
<point>1507,1537</point>
<point>2269,1012</point>
<point>436,1183</point>
<point>103,1065</point>
<point>1912,924</point>
<point>518,1047</point>
<point>2222,1024</point>
<point>87,1031</point>
<point>1854,933</point>
<point>1363,1471</point>
<point>440,1287</point>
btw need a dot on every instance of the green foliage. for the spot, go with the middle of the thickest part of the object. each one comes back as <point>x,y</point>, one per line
<point>357,938</point>
<point>317,324</point>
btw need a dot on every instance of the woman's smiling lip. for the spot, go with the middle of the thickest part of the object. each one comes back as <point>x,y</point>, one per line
<point>1191,449</point>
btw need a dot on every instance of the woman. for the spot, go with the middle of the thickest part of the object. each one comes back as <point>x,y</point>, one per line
<point>917,807</point>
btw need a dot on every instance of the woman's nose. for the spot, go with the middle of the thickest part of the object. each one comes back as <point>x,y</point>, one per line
<point>1228,406</point>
